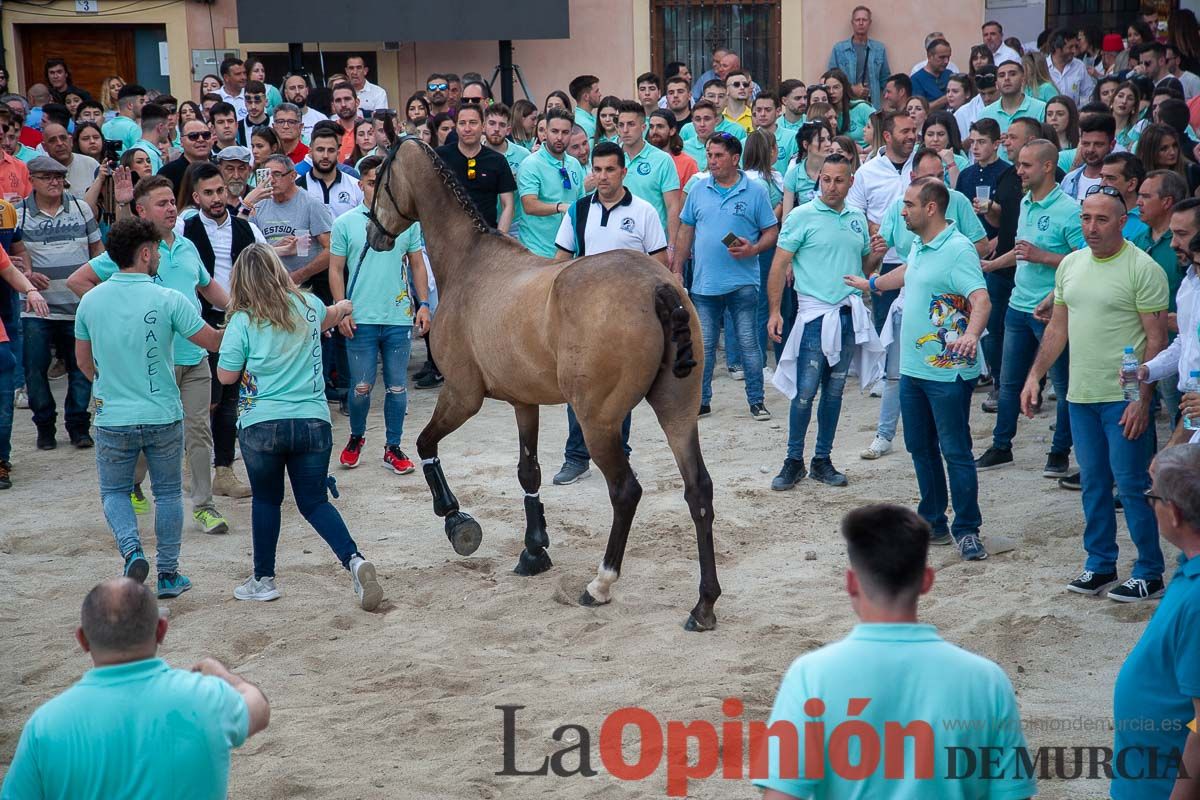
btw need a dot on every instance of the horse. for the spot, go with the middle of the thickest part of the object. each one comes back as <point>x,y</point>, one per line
<point>601,332</point>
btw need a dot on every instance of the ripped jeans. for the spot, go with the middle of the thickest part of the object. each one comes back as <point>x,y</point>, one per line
<point>393,343</point>
<point>813,372</point>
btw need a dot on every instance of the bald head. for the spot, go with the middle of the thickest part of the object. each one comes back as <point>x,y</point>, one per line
<point>1041,151</point>
<point>120,617</point>
<point>729,63</point>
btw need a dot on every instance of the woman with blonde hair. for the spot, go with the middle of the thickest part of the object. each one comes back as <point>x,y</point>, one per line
<point>1037,77</point>
<point>109,89</point>
<point>272,348</point>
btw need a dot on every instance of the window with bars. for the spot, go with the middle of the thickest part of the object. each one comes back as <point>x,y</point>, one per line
<point>1105,15</point>
<point>689,31</point>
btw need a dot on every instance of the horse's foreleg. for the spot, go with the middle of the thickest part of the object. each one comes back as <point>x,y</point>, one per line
<point>624,492</point>
<point>534,558</point>
<point>451,411</point>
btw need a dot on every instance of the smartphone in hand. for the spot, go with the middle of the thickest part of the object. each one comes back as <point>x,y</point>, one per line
<point>731,239</point>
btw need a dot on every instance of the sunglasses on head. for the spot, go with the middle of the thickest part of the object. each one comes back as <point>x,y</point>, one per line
<point>198,136</point>
<point>437,87</point>
<point>1108,190</point>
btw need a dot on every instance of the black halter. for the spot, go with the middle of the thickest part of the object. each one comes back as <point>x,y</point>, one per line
<point>385,169</point>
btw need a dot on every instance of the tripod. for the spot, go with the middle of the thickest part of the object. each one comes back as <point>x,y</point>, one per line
<point>516,70</point>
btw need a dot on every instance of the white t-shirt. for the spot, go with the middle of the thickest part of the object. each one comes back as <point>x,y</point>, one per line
<point>632,224</point>
<point>371,97</point>
<point>311,118</point>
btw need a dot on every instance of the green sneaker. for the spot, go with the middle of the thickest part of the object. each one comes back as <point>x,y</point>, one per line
<point>172,584</point>
<point>140,504</point>
<point>210,521</point>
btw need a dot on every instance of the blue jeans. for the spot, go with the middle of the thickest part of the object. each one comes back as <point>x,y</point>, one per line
<point>733,350</point>
<point>937,425</point>
<point>743,304</point>
<point>889,408</point>
<point>813,372</point>
<point>393,343</point>
<point>8,368</point>
<point>1000,287</point>
<point>334,366</point>
<point>787,308</point>
<point>881,302</point>
<point>43,338</point>
<point>117,451</point>
<point>576,451</point>
<point>302,448</point>
<point>17,337</point>
<point>1022,335</point>
<point>1105,456</point>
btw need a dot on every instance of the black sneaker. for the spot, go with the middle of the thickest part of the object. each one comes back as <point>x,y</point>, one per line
<point>793,471</point>
<point>822,469</point>
<point>993,458</point>
<point>759,412</point>
<point>1092,583</point>
<point>941,539</point>
<point>705,410</point>
<point>83,441</point>
<point>1058,465</point>
<point>991,403</point>
<point>1071,483</point>
<point>1135,590</point>
<point>430,380</point>
<point>46,439</point>
<point>425,369</point>
<point>5,471</point>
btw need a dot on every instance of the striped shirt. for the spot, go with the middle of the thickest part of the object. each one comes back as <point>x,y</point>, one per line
<point>57,245</point>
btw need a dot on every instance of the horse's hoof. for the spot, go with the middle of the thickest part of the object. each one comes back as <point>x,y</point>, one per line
<point>586,599</point>
<point>698,625</point>
<point>463,532</point>
<point>529,565</point>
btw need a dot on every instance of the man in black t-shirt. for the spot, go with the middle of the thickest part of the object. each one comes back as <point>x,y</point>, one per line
<point>483,172</point>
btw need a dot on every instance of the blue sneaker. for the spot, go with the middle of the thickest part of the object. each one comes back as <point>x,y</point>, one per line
<point>136,565</point>
<point>971,548</point>
<point>172,584</point>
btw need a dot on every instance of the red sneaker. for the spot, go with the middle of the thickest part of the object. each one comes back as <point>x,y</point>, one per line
<point>395,460</point>
<point>352,452</point>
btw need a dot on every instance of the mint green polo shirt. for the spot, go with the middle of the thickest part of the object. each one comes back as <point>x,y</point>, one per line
<point>827,246</point>
<point>25,154</point>
<point>724,125</point>
<point>542,177</point>
<point>281,370</point>
<point>649,175</point>
<point>586,120</point>
<point>515,155</point>
<point>785,147</point>
<point>1164,256</point>
<point>797,182</point>
<point>1051,224</point>
<point>860,114</point>
<point>156,162</point>
<point>895,230</point>
<point>902,675</point>
<point>179,268</point>
<point>698,151</point>
<point>138,731</point>
<point>381,290</point>
<point>794,127</point>
<point>1030,107</point>
<point>122,129</point>
<point>940,277</point>
<point>131,323</point>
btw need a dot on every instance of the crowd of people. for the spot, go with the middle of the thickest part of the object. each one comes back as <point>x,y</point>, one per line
<point>199,273</point>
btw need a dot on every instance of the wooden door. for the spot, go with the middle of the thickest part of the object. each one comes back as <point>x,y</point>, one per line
<point>93,52</point>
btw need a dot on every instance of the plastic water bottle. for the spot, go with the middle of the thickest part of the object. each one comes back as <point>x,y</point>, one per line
<point>1192,385</point>
<point>1129,379</point>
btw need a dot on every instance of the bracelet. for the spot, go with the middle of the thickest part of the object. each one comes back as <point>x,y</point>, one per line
<point>871,283</point>
<point>423,304</point>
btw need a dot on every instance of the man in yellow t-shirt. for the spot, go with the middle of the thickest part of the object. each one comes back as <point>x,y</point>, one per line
<point>1109,297</point>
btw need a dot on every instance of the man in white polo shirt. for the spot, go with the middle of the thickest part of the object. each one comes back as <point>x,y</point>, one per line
<point>611,218</point>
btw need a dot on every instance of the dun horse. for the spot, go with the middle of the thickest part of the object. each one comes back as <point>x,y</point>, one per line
<point>601,333</point>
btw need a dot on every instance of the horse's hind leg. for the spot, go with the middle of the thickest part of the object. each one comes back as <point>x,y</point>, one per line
<point>624,492</point>
<point>678,420</point>
<point>534,558</point>
<point>451,411</point>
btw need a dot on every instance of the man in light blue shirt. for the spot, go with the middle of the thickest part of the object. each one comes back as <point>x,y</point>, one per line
<point>1013,103</point>
<point>133,725</point>
<point>123,342</point>
<point>947,312</point>
<point>650,172</point>
<point>155,127</point>
<point>585,91</point>
<point>126,126</point>
<point>549,182</point>
<point>894,674</point>
<point>730,219</point>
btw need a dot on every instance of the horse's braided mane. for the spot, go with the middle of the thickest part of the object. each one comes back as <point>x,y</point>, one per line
<point>451,182</point>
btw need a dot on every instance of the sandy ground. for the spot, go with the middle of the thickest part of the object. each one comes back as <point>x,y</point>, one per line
<point>401,703</point>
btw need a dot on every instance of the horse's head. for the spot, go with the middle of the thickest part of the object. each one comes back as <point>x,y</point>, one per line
<point>393,208</point>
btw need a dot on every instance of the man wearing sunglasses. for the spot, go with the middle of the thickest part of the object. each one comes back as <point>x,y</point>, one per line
<point>255,97</point>
<point>196,141</point>
<point>737,105</point>
<point>437,92</point>
<point>483,172</point>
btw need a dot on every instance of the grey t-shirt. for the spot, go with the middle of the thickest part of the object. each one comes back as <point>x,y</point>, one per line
<point>860,56</point>
<point>277,221</point>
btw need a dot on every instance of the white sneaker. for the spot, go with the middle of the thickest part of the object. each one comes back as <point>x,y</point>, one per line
<point>877,388</point>
<point>262,589</point>
<point>21,398</point>
<point>1050,393</point>
<point>879,447</point>
<point>768,374</point>
<point>737,373</point>
<point>366,584</point>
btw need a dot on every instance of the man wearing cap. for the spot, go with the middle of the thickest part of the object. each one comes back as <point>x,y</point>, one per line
<point>234,164</point>
<point>60,234</point>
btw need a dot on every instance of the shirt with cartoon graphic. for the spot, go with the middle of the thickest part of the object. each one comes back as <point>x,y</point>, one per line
<point>281,370</point>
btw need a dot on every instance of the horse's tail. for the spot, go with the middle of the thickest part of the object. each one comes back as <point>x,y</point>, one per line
<point>676,328</point>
